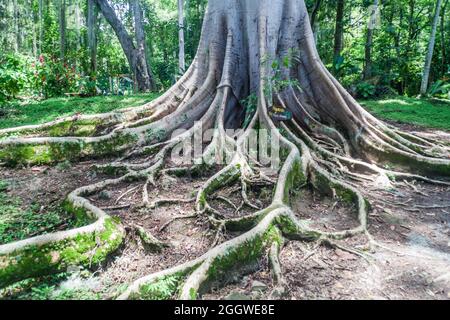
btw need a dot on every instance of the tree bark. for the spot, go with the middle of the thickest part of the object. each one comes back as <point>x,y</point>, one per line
<point>369,42</point>
<point>181,58</point>
<point>135,55</point>
<point>429,56</point>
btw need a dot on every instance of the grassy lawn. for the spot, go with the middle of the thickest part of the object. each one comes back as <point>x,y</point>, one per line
<point>36,112</point>
<point>422,112</point>
<point>427,113</point>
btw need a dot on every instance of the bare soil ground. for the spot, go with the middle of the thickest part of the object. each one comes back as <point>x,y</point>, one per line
<point>412,222</point>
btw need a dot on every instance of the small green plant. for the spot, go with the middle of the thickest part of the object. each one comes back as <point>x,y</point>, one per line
<point>250,104</point>
<point>278,81</point>
<point>162,289</point>
<point>440,88</point>
<point>14,76</point>
<point>33,288</point>
<point>365,90</point>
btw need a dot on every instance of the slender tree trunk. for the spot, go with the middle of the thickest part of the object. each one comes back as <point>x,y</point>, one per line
<point>16,26</point>
<point>78,24</point>
<point>181,57</point>
<point>429,56</point>
<point>92,36</point>
<point>443,39</point>
<point>313,18</point>
<point>41,23</point>
<point>315,12</point>
<point>142,60</point>
<point>339,29</point>
<point>62,29</point>
<point>33,26</point>
<point>135,56</point>
<point>369,41</point>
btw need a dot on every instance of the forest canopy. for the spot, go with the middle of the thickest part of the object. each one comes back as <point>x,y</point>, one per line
<point>53,47</point>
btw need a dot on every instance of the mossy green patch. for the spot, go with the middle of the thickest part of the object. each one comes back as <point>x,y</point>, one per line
<point>90,248</point>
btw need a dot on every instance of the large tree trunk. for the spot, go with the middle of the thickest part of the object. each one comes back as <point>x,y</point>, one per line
<point>135,54</point>
<point>430,51</point>
<point>260,51</point>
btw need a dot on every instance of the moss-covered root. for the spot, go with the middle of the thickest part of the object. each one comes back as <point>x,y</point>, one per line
<point>53,253</point>
<point>280,284</point>
<point>191,279</point>
<point>50,150</point>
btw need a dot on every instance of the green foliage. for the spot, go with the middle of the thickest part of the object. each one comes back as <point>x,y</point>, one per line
<point>250,104</point>
<point>48,287</point>
<point>424,112</point>
<point>14,76</point>
<point>54,78</point>
<point>279,78</point>
<point>162,289</point>
<point>440,89</point>
<point>365,90</point>
<point>17,223</point>
<point>33,288</point>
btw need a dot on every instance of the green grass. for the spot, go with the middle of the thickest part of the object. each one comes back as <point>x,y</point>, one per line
<point>422,112</point>
<point>17,223</point>
<point>37,112</point>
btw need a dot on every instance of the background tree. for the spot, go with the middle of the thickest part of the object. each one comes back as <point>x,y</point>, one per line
<point>135,53</point>
<point>62,29</point>
<point>429,56</point>
<point>339,30</point>
<point>182,62</point>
